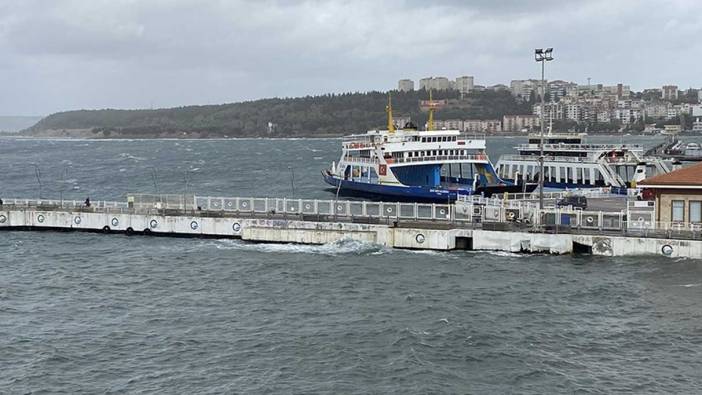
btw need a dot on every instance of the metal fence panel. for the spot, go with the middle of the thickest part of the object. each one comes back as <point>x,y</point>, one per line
<point>407,210</point>
<point>356,209</point>
<point>442,212</point>
<point>611,221</point>
<point>389,210</point>
<point>309,207</point>
<point>341,208</point>
<point>590,220</point>
<point>292,206</point>
<point>325,207</point>
<point>425,211</point>
<point>373,209</point>
<point>230,204</point>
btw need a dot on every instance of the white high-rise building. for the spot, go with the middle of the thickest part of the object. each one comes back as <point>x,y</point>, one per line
<point>405,85</point>
<point>441,83</point>
<point>435,83</point>
<point>425,83</point>
<point>464,84</point>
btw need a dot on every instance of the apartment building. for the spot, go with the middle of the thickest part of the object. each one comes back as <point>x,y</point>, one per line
<point>464,84</point>
<point>669,92</point>
<point>482,125</point>
<point>517,123</point>
<point>405,85</point>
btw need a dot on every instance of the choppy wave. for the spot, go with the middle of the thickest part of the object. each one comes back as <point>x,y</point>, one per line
<point>341,247</point>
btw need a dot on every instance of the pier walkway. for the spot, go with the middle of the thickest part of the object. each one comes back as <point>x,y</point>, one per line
<point>515,225</point>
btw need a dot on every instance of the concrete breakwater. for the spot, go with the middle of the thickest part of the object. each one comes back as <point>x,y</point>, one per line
<point>393,225</point>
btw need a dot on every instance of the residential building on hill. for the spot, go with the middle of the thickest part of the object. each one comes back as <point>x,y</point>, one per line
<point>482,125</point>
<point>669,92</point>
<point>405,85</point>
<point>464,84</point>
<point>518,123</point>
<point>449,124</point>
<point>523,88</point>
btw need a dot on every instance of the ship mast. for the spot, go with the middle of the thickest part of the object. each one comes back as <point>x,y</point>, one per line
<point>388,110</point>
<point>430,123</point>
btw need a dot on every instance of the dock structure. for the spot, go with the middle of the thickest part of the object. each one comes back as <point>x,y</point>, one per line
<point>471,224</point>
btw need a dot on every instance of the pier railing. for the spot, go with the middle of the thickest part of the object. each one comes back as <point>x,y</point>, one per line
<point>483,213</point>
<point>328,208</point>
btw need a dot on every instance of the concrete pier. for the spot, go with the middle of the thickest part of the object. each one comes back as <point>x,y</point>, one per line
<point>431,227</point>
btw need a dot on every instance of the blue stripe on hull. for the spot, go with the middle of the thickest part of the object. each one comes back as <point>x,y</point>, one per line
<point>395,192</point>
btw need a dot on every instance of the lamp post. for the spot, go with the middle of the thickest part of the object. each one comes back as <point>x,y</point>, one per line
<point>543,56</point>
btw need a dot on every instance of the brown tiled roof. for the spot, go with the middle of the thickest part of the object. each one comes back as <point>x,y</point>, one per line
<point>691,175</point>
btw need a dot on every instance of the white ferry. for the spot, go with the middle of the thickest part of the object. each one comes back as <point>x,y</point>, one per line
<point>408,164</point>
<point>569,162</point>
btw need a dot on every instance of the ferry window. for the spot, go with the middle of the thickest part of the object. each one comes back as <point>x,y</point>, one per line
<point>424,139</point>
<point>696,211</point>
<point>678,211</point>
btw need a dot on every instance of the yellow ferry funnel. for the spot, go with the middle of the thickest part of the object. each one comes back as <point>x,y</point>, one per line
<point>388,110</point>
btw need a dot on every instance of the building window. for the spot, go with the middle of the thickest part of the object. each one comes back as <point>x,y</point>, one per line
<point>695,211</point>
<point>678,211</point>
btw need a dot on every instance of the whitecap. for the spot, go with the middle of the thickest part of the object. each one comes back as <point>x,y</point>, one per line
<point>505,254</point>
<point>340,247</point>
<point>690,285</point>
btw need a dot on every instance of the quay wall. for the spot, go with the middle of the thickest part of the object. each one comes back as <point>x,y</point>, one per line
<point>314,232</point>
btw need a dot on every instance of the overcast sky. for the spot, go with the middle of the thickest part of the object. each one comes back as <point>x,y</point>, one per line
<point>63,55</point>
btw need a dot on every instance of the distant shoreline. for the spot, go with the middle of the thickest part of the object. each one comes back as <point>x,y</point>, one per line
<point>194,136</point>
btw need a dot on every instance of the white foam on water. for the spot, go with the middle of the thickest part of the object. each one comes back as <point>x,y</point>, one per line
<point>341,247</point>
<point>129,156</point>
<point>690,285</point>
<point>504,254</point>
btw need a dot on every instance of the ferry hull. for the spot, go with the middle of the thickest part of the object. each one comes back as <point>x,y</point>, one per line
<point>399,193</point>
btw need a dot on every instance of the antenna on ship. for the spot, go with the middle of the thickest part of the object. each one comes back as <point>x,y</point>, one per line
<point>430,123</point>
<point>388,110</point>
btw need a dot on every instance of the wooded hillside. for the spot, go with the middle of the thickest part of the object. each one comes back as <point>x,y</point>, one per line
<point>326,115</point>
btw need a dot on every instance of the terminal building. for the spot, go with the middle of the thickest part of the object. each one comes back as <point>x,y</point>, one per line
<point>678,195</point>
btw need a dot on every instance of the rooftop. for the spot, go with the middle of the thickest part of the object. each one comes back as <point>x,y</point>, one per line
<point>690,176</point>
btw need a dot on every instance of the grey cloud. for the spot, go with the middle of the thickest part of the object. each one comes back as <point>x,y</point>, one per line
<point>124,53</point>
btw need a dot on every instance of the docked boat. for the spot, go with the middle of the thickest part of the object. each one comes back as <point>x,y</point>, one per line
<point>412,165</point>
<point>570,162</point>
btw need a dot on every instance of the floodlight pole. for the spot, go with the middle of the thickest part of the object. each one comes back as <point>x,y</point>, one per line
<point>542,56</point>
<point>541,140</point>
